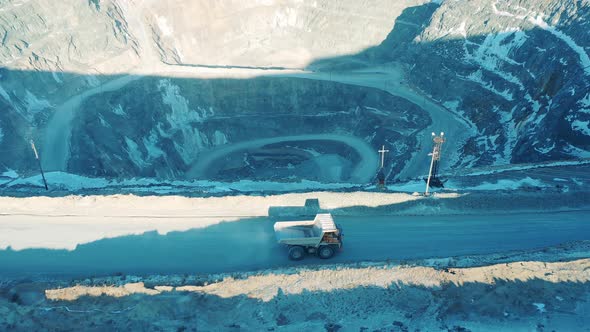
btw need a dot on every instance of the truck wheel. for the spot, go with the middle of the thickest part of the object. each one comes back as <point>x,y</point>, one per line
<point>326,252</point>
<point>296,253</point>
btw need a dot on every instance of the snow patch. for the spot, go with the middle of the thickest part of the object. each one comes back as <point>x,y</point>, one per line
<point>545,150</point>
<point>56,77</point>
<point>182,118</point>
<point>35,104</point>
<point>585,104</point>
<point>164,26</point>
<point>581,126</point>
<point>134,153</point>
<point>219,138</point>
<point>92,81</point>
<point>508,184</point>
<point>10,173</point>
<point>63,180</point>
<point>453,107</point>
<point>509,126</point>
<point>119,110</point>
<point>5,95</point>
<point>540,307</point>
<point>376,111</point>
<point>74,182</point>
<point>103,121</point>
<point>495,49</point>
<point>526,167</point>
<point>1,135</point>
<point>477,77</point>
<point>150,143</point>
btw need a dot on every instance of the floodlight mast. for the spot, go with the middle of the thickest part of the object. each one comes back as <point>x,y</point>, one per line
<point>39,163</point>
<point>438,141</point>
<point>383,152</point>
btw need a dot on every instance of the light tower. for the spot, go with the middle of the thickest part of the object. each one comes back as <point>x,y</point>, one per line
<point>438,142</point>
<point>381,173</point>
<point>383,152</point>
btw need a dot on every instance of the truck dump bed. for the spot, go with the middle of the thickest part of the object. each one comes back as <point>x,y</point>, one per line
<point>307,232</point>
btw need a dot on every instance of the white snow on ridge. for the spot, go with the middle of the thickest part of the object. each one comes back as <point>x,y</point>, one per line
<point>495,50</point>
<point>507,14</point>
<point>495,47</point>
<point>584,58</point>
<point>460,30</point>
<point>539,22</point>
<point>477,77</point>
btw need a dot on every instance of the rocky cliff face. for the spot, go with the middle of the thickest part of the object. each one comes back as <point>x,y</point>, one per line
<point>518,72</point>
<point>178,123</point>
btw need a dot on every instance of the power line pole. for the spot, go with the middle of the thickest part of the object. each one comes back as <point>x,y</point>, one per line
<point>438,141</point>
<point>39,162</point>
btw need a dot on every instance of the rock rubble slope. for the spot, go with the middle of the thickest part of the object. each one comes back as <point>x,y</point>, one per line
<point>99,86</point>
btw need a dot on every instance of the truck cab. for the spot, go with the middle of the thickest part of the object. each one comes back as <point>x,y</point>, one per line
<point>319,236</point>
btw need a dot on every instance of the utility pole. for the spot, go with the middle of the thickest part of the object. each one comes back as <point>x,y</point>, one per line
<point>39,162</point>
<point>438,141</point>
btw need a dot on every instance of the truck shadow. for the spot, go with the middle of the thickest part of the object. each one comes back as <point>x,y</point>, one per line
<point>249,244</point>
<point>245,244</point>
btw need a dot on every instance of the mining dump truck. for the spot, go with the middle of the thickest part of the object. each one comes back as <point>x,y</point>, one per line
<point>320,236</point>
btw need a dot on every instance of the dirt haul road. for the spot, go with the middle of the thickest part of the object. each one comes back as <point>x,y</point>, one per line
<point>248,243</point>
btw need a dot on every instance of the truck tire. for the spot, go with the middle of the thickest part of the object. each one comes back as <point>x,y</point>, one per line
<point>296,253</point>
<point>326,252</point>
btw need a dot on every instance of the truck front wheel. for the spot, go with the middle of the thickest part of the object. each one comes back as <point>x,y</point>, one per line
<point>296,253</point>
<point>326,252</point>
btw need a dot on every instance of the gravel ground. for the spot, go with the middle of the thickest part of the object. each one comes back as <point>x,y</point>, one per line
<point>542,290</point>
